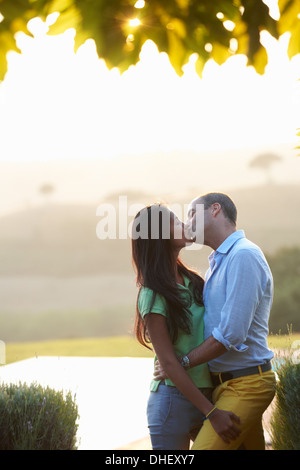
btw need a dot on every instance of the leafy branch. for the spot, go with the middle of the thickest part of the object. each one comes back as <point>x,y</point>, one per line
<point>211,29</point>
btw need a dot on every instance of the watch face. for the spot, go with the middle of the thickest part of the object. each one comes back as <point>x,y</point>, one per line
<point>185,361</point>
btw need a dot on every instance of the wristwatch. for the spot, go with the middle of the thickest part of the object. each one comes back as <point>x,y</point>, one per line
<point>185,362</point>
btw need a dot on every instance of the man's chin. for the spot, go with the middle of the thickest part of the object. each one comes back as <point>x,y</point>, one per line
<point>192,240</point>
<point>198,240</point>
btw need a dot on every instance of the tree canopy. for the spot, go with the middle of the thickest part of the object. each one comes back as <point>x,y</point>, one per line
<point>214,29</point>
<point>264,161</point>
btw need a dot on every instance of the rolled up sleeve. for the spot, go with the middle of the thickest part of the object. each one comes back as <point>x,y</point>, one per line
<point>246,282</point>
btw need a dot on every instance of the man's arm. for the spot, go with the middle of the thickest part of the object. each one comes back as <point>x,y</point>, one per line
<point>208,350</point>
<point>246,285</point>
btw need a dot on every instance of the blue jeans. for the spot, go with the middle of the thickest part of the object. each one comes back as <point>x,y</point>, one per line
<point>172,419</point>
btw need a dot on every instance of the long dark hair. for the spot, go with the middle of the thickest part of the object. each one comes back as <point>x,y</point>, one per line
<point>153,259</point>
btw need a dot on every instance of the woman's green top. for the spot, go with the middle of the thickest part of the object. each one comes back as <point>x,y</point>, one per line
<point>185,342</point>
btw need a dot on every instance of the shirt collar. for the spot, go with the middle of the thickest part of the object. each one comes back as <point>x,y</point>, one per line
<point>186,281</point>
<point>230,241</point>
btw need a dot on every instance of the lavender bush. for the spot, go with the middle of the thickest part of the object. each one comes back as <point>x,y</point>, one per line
<point>36,418</point>
<point>285,424</point>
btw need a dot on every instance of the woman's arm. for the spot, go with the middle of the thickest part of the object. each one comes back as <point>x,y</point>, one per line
<point>222,421</point>
<point>160,339</point>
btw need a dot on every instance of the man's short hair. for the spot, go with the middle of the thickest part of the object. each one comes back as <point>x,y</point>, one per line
<point>227,205</point>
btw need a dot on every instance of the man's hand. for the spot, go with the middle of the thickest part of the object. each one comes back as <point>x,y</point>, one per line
<point>159,373</point>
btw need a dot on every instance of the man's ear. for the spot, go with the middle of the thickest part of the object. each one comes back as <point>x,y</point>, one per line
<point>215,209</point>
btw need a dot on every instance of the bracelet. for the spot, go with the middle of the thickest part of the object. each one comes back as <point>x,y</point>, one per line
<point>210,413</point>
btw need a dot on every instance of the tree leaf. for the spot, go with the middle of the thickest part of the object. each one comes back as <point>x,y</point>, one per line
<point>71,18</point>
<point>7,43</point>
<point>230,10</point>
<point>81,36</point>
<point>199,65</point>
<point>3,62</point>
<point>294,43</point>
<point>260,60</point>
<point>289,20</point>
<point>220,53</point>
<point>177,52</point>
<point>59,5</point>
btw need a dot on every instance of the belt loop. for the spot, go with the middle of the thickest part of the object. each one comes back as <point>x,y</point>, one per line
<point>260,371</point>
<point>220,377</point>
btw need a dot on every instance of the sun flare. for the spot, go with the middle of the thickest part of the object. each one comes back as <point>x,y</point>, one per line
<point>134,22</point>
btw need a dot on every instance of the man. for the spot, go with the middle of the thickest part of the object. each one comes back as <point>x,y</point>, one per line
<point>238,295</point>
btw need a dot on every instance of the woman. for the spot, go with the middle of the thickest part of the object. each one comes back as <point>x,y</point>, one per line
<point>170,316</point>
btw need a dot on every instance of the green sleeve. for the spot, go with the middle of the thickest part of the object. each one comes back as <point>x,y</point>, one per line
<point>145,301</point>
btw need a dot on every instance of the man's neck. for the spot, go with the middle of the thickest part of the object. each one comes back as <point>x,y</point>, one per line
<point>220,237</point>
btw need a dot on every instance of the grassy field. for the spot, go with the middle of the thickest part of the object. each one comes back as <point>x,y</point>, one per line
<point>114,346</point>
<point>283,341</point>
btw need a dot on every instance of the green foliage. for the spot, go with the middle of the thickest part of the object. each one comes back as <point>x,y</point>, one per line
<point>285,267</point>
<point>178,27</point>
<point>36,418</point>
<point>289,11</point>
<point>285,424</point>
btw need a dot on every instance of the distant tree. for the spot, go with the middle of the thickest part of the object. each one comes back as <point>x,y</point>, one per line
<point>214,29</point>
<point>41,229</point>
<point>265,162</point>
<point>46,190</point>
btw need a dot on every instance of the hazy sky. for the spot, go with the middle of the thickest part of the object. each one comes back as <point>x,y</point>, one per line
<point>57,106</point>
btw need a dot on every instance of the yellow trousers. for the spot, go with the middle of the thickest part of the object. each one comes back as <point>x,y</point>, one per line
<point>248,397</point>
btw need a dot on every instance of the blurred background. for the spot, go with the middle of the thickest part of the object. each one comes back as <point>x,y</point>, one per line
<point>74,135</point>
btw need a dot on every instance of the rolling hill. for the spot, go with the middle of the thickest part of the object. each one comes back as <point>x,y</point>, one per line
<point>58,280</point>
<point>60,239</point>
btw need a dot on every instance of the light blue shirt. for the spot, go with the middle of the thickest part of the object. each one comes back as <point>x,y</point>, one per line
<point>238,294</point>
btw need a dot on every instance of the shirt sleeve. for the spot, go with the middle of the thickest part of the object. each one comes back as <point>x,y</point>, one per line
<point>246,282</point>
<point>145,301</point>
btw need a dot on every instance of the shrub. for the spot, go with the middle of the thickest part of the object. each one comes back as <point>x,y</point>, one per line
<point>36,418</point>
<point>285,423</point>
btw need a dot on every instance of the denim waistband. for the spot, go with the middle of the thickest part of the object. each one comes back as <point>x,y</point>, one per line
<point>207,391</point>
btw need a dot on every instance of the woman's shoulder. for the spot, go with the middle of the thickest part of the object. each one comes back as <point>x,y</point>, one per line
<point>146,291</point>
<point>151,301</point>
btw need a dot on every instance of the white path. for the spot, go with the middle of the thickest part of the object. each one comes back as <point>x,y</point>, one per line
<point>111,394</point>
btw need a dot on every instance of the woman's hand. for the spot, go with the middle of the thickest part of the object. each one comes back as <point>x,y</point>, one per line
<point>223,423</point>
<point>159,373</point>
